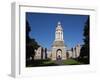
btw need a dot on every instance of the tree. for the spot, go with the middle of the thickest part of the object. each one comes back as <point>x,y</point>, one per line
<point>46,53</point>
<point>84,55</point>
<point>31,44</point>
<point>28,29</point>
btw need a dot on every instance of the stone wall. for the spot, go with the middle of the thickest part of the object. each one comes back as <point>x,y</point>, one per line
<point>40,53</point>
<point>76,51</point>
<point>54,53</point>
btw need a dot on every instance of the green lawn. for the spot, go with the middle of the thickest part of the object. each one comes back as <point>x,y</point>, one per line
<point>70,62</point>
<point>52,63</point>
<point>38,63</point>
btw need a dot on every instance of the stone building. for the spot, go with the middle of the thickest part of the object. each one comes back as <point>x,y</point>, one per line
<point>58,48</point>
<point>40,53</point>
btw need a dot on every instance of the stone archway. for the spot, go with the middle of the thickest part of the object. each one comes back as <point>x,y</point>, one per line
<point>59,54</point>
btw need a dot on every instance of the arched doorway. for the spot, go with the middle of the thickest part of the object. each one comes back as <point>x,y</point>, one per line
<point>59,54</point>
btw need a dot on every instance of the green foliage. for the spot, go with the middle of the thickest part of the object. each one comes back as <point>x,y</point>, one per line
<point>31,44</point>
<point>84,56</point>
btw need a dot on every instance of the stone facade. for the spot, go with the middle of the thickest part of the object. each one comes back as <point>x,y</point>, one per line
<point>77,50</point>
<point>69,54</point>
<point>40,53</point>
<point>58,52</point>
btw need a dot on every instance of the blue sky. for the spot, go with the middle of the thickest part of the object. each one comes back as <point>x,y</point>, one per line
<point>43,27</point>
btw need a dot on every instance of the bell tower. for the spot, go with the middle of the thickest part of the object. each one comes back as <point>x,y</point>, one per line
<point>59,32</point>
<point>58,47</point>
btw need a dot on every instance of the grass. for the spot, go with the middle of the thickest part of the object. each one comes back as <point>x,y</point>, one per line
<point>70,62</point>
<point>52,63</point>
<point>38,63</point>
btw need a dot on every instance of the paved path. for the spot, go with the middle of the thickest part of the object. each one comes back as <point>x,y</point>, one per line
<point>58,62</point>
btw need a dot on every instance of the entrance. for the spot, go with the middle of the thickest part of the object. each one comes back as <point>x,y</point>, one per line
<point>59,54</point>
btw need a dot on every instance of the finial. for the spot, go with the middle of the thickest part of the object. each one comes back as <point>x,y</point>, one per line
<point>59,23</point>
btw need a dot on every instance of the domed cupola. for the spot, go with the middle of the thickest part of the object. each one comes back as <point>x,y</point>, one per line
<point>59,27</point>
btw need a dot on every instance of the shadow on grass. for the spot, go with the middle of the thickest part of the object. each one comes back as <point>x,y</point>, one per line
<point>47,62</point>
<point>37,63</point>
